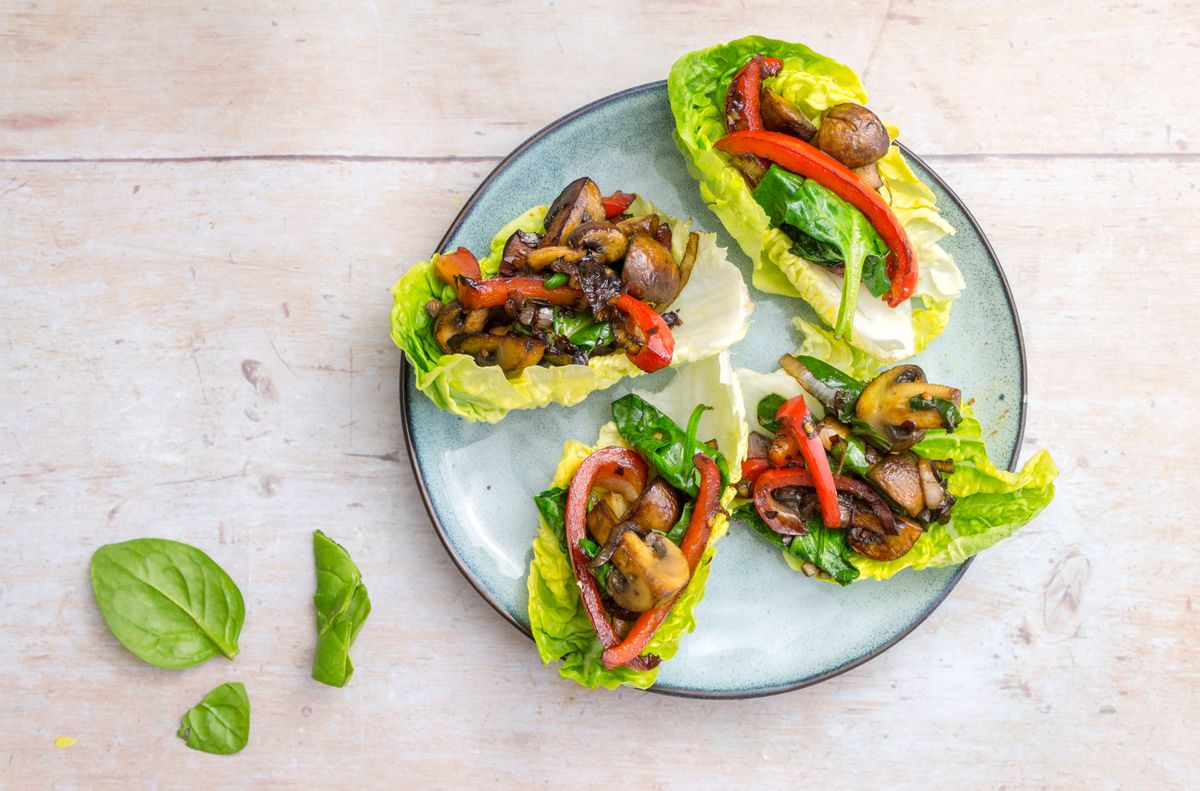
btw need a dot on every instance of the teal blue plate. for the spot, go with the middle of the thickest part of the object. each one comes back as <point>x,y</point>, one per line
<point>762,628</point>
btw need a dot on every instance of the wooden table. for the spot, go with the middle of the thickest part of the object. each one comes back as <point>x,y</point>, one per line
<point>202,209</point>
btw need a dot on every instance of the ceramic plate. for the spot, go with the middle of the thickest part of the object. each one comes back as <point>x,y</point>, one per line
<point>761,628</point>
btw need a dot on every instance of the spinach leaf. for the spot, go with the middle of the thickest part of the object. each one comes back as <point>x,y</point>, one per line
<point>944,407</point>
<point>590,548</point>
<point>663,443</point>
<point>167,602</point>
<point>824,548</point>
<point>851,456</point>
<point>874,275</point>
<point>552,505</point>
<point>829,223</point>
<point>582,330</point>
<point>220,723</point>
<point>838,391</point>
<point>678,529</point>
<point>811,249</point>
<point>342,608</point>
<point>767,408</point>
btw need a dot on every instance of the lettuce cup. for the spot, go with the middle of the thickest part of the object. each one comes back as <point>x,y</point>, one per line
<point>571,298</point>
<point>629,527</point>
<point>810,184</point>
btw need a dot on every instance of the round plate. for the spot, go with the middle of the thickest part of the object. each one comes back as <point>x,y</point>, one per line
<point>761,628</point>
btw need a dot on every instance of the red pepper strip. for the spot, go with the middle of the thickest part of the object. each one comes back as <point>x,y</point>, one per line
<point>771,480</point>
<point>656,353</point>
<point>462,262</point>
<point>796,420</point>
<point>605,462</point>
<point>616,203</point>
<point>476,294</point>
<point>799,157</point>
<point>742,100</point>
<point>695,541</point>
<point>752,468</point>
<point>771,66</point>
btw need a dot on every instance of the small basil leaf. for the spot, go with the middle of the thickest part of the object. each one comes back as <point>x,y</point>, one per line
<point>342,608</point>
<point>167,602</point>
<point>220,723</point>
<point>767,409</point>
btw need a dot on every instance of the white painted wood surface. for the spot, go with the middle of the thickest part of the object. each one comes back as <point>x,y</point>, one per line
<point>185,189</point>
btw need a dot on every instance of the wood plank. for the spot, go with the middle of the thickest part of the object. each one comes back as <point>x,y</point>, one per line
<point>135,79</point>
<point>137,293</point>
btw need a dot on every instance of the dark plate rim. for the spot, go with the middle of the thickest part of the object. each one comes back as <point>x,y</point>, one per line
<point>693,693</point>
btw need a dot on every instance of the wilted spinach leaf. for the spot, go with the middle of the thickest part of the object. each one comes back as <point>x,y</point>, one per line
<point>663,443</point>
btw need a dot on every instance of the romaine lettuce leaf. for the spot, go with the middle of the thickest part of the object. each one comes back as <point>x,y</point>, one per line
<point>697,86</point>
<point>715,309</point>
<point>557,618</point>
<point>992,503</point>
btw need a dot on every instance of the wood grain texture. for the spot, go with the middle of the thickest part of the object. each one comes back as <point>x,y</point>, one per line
<point>198,349</point>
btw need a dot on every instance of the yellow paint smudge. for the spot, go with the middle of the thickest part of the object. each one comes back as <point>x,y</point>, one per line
<point>63,742</point>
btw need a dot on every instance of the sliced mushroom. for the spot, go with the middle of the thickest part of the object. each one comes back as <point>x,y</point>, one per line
<point>647,571</point>
<point>603,239</point>
<point>516,249</point>
<point>658,508</point>
<point>897,476</point>
<point>868,538</point>
<point>453,321</point>
<point>544,257</point>
<point>780,115</point>
<point>511,352</point>
<point>433,307</point>
<point>853,135</point>
<point>643,223</point>
<point>578,203</point>
<point>650,272</point>
<point>886,404</point>
<point>604,516</point>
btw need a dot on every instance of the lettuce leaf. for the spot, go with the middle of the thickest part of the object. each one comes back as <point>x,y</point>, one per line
<point>715,308</point>
<point>992,503</point>
<point>697,86</point>
<point>560,625</point>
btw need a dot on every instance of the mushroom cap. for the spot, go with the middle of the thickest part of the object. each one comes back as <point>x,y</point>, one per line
<point>853,135</point>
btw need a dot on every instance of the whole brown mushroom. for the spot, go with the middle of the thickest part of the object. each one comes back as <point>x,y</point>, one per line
<point>853,135</point>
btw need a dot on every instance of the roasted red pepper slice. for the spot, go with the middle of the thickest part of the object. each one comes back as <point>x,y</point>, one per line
<point>659,347</point>
<point>742,100</point>
<point>461,263</point>
<point>796,420</point>
<point>607,462</point>
<point>752,468</point>
<point>616,203</point>
<point>495,291</point>
<point>769,481</point>
<point>695,541</point>
<point>803,159</point>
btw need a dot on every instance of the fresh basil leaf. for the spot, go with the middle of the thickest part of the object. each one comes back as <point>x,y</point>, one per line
<point>663,443</point>
<point>167,602</point>
<point>342,608</point>
<point>830,222</point>
<point>768,407</point>
<point>677,531</point>
<point>945,407</point>
<point>552,505</point>
<point>220,722</point>
<point>826,549</point>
